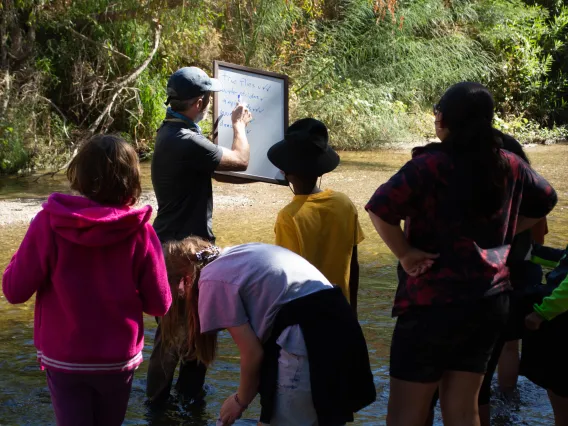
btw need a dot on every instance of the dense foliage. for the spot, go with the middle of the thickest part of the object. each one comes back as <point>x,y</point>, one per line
<point>370,69</point>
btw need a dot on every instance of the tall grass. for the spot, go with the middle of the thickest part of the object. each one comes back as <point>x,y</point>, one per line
<point>394,66</point>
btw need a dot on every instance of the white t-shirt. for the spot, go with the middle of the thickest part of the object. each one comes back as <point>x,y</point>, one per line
<point>249,284</point>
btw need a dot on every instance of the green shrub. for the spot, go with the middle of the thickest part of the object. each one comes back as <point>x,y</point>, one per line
<point>13,156</point>
<point>530,45</point>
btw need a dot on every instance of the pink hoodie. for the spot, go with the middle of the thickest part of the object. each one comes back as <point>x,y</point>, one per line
<point>95,269</point>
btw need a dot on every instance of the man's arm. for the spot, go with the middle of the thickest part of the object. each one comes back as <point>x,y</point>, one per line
<point>236,159</point>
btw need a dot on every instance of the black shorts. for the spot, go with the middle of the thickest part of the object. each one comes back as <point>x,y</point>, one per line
<point>428,341</point>
<point>544,355</point>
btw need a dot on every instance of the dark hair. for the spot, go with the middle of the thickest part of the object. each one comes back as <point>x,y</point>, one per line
<point>512,145</point>
<point>105,170</point>
<point>180,106</point>
<point>480,169</point>
<point>305,184</point>
<point>183,105</point>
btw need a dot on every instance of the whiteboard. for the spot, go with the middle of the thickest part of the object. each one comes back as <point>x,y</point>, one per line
<point>266,95</point>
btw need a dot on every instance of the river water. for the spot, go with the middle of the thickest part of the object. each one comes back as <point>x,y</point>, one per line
<point>242,214</point>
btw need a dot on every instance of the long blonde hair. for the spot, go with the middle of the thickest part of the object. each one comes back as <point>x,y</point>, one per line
<point>181,329</point>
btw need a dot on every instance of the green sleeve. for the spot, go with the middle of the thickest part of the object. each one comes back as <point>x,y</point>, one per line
<point>544,262</point>
<point>555,304</point>
<point>546,256</point>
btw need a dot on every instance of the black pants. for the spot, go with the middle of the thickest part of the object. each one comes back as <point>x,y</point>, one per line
<point>161,372</point>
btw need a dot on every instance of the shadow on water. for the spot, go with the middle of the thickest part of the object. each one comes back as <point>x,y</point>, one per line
<point>24,397</point>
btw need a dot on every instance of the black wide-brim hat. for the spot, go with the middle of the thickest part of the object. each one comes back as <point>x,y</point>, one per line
<point>305,150</point>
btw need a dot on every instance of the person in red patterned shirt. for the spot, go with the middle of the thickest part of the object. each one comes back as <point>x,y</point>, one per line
<point>462,202</point>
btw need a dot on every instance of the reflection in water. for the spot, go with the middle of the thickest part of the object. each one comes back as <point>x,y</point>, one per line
<point>24,396</point>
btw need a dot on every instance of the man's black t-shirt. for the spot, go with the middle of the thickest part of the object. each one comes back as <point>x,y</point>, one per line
<point>182,165</point>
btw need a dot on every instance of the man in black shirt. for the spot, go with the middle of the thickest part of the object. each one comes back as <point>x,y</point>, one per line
<point>184,159</point>
<point>182,166</point>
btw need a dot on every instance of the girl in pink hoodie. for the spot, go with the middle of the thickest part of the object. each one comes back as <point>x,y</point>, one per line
<point>96,266</point>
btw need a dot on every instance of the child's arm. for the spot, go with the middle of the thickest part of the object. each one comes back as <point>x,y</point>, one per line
<point>29,267</point>
<point>354,280</point>
<point>546,256</point>
<point>153,286</point>
<point>555,304</point>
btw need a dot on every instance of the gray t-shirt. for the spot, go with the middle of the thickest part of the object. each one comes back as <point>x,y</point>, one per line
<point>250,283</point>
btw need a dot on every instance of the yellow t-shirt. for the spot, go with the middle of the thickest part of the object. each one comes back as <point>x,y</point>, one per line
<point>323,228</point>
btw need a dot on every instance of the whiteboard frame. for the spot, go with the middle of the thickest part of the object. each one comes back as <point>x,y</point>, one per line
<point>216,65</point>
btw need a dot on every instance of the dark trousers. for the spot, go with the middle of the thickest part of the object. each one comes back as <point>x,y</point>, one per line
<point>89,399</point>
<point>161,372</point>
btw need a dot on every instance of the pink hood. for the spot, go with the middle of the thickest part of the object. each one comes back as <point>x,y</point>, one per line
<point>95,271</point>
<point>84,222</point>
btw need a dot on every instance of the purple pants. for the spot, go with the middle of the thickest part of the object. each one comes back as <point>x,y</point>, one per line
<point>89,399</point>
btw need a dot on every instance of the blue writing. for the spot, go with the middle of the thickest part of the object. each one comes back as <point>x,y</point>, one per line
<point>230,91</point>
<point>227,78</point>
<point>259,110</point>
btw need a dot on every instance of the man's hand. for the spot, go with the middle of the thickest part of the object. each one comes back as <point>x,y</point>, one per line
<point>533,321</point>
<point>241,116</point>
<point>230,411</point>
<point>237,158</point>
<point>416,262</point>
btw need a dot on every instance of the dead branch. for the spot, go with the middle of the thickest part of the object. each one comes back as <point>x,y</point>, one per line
<point>54,172</point>
<point>6,90</point>
<point>87,39</point>
<point>121,83</point>
<point>55,107</point>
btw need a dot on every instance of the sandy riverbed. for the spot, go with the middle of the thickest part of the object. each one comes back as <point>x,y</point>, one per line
<point>22,210</point>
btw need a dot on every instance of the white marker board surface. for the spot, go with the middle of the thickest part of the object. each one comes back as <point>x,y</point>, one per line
<point>266,95</point>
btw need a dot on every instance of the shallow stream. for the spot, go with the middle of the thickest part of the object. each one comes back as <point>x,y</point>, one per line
<point>246,213</point>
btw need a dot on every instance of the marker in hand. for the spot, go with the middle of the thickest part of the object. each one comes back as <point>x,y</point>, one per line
<point>241,113</point>
<point>240,102</point>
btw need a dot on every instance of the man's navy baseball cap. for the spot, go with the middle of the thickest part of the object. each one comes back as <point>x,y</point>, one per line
<point>189,83</point>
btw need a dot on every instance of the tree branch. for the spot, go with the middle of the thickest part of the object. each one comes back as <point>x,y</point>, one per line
<point>110,49</point>
<point>55,107</point>
<point>7,90</point>
<point>54,172</point>
<point>121,83</point>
